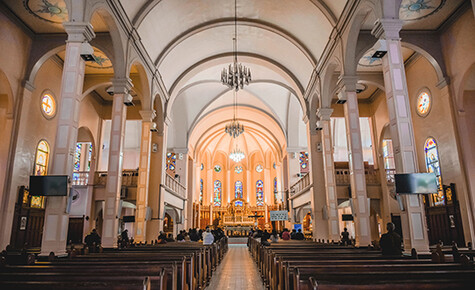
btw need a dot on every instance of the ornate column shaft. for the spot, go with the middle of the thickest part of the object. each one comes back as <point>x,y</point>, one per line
<point>116,156</point>
<point>144,174</point>
<point>359,196</point>
<point>56,223</point>
<point>329,170</point>
<point>402,134</point>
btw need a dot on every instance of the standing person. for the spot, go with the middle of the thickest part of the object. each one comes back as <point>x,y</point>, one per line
<point>345,237</point>
<point>390,242</point>
<point>208,237</point>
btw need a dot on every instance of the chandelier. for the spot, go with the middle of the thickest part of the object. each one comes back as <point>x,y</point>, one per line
<point>237,155</point>
<point>236,75</point>
<point>234,129</point>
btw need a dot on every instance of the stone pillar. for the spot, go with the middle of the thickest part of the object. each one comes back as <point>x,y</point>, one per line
<point>229,186</point>
<point>248,185</point>
<point>144,174</point>
<point>114,171</point>
<point>359,196</point>
<point>190,189</point>
<point>318,200</point>
<point>56,218</point>
<point>402,134</point>
<point>157,175</point>
<point>329,170</point>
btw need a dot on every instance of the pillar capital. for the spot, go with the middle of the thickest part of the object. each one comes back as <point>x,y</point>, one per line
<point>121,85</point>
<point>347,83</point>
<point>324,113</point>
<point>79,31</point>
<point>148,115</point>
<point>387,28</point>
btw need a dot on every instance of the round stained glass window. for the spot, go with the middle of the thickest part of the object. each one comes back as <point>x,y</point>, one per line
<point>423,104</point>
<point>259,168</point>
<point>238,169</point>
<point>48,106</point>
<point>217,168</point>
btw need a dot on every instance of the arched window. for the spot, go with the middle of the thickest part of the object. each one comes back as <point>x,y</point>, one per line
<point>201,191</point>
<point>433,166</point>
<point>260,193</point>
<point>238,189</point>
<point>217,193</point>
<point>41,168</point>
<point>82,162</point>
<point>388,158</point>
<point>171,163</point>
<point>303,159</point>
<point>276,198</point>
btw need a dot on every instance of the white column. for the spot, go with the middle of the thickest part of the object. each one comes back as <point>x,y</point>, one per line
<point>56,219</point>
<point>229,186</point>
<point>329,170</point>
<point>355,156</point>
<point>144,174</point>
<point>402,134</point>
<point>248,185</point>
<point>114,171</point>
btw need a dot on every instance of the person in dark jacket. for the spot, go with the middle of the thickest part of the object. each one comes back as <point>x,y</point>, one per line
<point>390,242</point>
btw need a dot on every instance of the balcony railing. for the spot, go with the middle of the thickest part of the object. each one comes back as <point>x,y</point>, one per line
<point>80,178</point>
<point>174,185</point>
<point>129,177</point>
<point>300,185</point>
<point>342,176</point>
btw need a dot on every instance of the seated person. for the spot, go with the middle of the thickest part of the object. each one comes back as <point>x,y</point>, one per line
<point>292,234</point>
<point>299,235</point>
<point>274,238</point>
<point>208,237</point>
<point>345,237</point>
<point>390,242</point>
<point>93,241</point>
<point>285,235</point>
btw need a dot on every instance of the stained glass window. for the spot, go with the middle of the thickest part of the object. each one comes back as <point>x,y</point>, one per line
<point>238,189</point>
<point>201,191</point>
<point>89,156</point>
<point>388,159</point>
<point>217,193</point>
<point>171,163</point>
<point>260,193</point>
<point>433,166</point>
<point>259,168</point>
<point>276,197</point>
<point>217,168</point>
<point>41,168</point>
<point>42,154</point>
<point>48,105</point>
<point>238,169</point>
<point>303,159</point>
<point>423,103</point>
<point>238,203</point>
<point>77,157</point>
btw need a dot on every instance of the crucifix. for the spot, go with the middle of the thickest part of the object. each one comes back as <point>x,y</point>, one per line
<point>255,217</point>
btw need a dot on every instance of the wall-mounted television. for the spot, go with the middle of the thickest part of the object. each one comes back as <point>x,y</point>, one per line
<point>416,183</point>
<point>49,185</point>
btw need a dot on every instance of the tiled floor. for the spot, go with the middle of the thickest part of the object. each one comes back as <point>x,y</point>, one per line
<point>236,271</point>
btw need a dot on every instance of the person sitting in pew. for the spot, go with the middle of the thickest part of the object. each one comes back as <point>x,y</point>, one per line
<point>93,241</point>
<point>292,234</point>
<point>208,237</point>
<point>299,236</point>
<point>285,235</point>
<point>390,242</point>
<point>274,237</point>
<point>170,238</point>
<point>345,237</point>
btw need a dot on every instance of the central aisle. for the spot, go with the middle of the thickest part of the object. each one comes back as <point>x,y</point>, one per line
<point>236,271</point>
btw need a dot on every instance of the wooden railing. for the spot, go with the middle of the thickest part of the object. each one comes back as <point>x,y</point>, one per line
<point>129,177</point>
<point>174,185</point>
<point>342,176</point>
<point>300,185</point>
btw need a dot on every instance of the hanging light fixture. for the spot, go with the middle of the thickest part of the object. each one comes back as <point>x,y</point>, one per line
<point>236,75</point>
<point>233,128</point>
<point>237,155</point>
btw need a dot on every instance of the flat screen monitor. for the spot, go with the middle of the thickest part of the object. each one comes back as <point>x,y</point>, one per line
<point>416,183</point>
<point>49,185</point>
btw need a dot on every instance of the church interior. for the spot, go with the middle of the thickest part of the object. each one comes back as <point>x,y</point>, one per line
<point>243,117</point>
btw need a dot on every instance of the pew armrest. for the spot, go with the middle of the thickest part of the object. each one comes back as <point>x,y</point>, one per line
<point>313,283</point>
<point>146,283</point>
